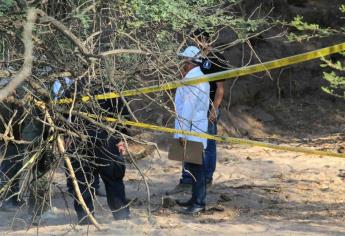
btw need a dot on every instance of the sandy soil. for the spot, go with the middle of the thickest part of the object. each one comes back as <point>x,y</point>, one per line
<point>255,192</point>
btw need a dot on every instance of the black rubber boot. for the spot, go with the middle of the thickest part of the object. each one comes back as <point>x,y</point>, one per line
<point>122,214</point>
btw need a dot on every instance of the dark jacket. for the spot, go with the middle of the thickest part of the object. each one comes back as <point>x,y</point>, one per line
<point>102,108</point>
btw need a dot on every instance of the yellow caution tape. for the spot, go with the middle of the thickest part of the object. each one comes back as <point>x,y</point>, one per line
<point>215,77</point>
<point>229,74</point>
<point>219,138</point>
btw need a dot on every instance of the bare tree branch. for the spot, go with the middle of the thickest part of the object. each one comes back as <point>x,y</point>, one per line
<point>123,51</point>
<point>61,27</point>
<point>27,66</point>
<point>75,183</point>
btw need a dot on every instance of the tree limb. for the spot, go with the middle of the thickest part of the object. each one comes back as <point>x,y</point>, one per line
<point>27,65</point>
<point>70,169</point>
<point>123,51</point>
<point>75,183</point>
<point>61,27</point>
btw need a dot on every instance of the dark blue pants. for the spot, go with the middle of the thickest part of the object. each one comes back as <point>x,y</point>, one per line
<point>103,158</point>
<point>210,159</point>
<point>198,185</point>
<point>95,183</point>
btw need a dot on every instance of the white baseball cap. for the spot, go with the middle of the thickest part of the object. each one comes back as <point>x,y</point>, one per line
<point>191,52</point>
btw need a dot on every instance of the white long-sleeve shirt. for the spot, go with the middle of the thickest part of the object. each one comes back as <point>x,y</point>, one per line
<point>191,104</point>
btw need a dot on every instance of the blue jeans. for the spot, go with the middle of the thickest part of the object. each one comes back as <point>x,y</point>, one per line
<point>198,185</point>
<point>210,159</point>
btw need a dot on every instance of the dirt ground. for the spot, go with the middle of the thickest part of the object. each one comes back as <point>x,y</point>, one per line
<point>256,191</point>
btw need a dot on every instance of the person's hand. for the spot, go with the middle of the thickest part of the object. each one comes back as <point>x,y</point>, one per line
<point>182,141</point>
<point>121,147</point>
<point>213,115</point>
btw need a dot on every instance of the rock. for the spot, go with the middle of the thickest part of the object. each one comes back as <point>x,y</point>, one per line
<point>341,149</point>
<point>224,198</point>
<point>168,202</point>
<point>211,221</point>
<point>215,208</point>
<point>341,174</point>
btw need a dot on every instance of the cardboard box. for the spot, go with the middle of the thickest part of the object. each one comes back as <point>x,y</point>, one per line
<point>191,152</point>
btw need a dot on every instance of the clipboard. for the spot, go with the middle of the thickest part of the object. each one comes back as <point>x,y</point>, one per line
<point>192,152</point>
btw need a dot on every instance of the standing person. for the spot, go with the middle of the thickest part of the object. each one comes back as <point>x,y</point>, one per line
<point>102,153</point>
<point>59,89</point>
<point>212,63</point>
<point>191,103</point>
